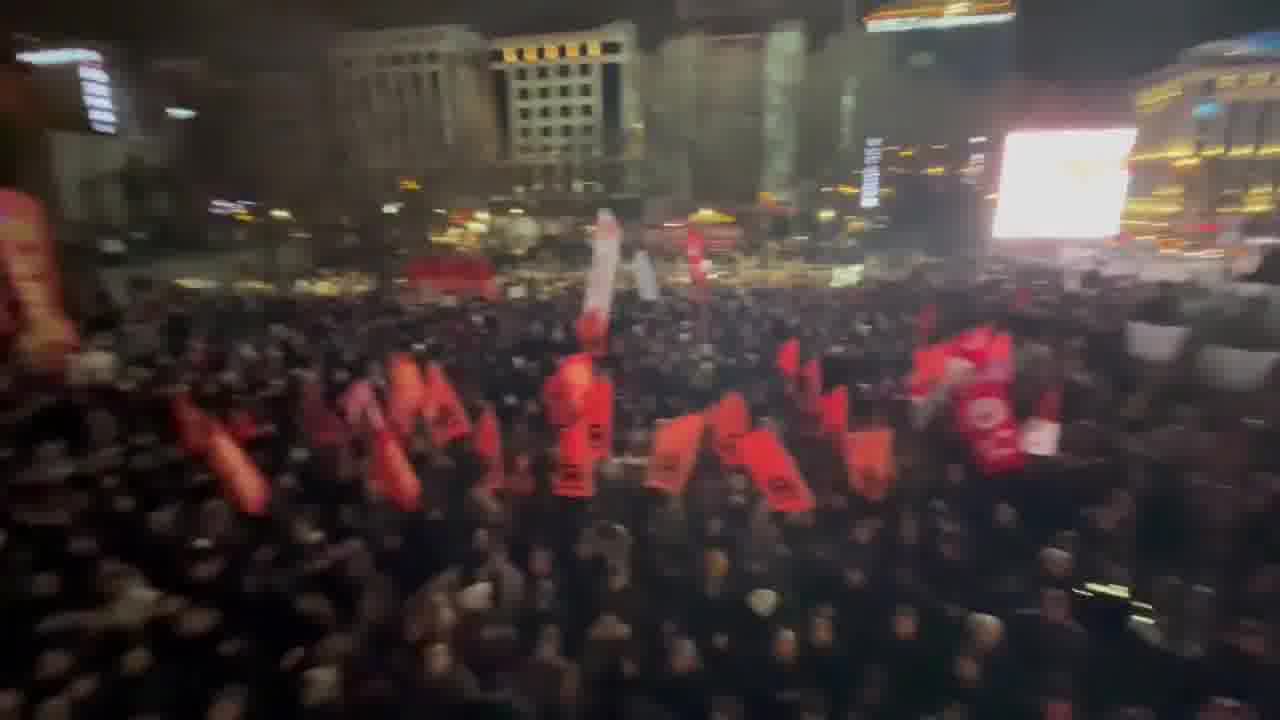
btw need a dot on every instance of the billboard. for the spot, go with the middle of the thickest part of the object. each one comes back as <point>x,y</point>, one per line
<point>1063,184</point>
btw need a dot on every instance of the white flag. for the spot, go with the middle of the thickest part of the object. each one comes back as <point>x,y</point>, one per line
<point>606,247</point>
<point>646,280</point>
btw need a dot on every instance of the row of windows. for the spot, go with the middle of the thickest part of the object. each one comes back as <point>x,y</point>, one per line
<point>399,59</point>
<point>544,93</point>
<point>565,131</point>
<point>562,71</point>
<point>535,53</point>
<point>565,111</point>
<point>583,149</point>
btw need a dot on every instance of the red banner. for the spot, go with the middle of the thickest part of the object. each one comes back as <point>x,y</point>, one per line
<point>789,359</point>
<point>985,416</point>
<point>775,473</point>
<point>575,472</point>
<point>242,482</point>
<point>835,413</point>
<point>730,421</point>
<point>444,412</point>
<point>597,412</point>
<point>406,391</point>
<point>675,450</point>
<point>392,476</point>
<point>26,249</point>
<point>454,275</point>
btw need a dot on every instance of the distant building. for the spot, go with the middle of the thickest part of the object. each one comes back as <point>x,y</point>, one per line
<point>1208,145</point>
<point>413,99</point>
<point>569,98</point>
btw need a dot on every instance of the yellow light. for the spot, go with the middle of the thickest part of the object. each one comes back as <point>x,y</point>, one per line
<point>244,217</point>
<point>280,214</point>
<point>571,50</point>
<point>593,48</point>
<point>936,170</point>
<point>1226,82</point>
<point>826,215</point>
<point>510,55</point>
<point>1214,151</point>
<point>410,185</point>
<point>531,54</point>
<point>551,52</point>
<point>907,153</point>
<point>1258,79</point>
<point>847,190</point>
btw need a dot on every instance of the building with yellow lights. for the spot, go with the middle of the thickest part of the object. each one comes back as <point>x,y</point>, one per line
<point>568,97</point>
<point>1208,145</point>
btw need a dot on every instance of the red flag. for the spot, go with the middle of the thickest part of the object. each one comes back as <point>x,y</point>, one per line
<point>444,412</point>
<point>597,411</point>
<point>592,329</point>
<point>193,425</point>
<point>775,474</point>
<point>789,359</point>
<point>870,463</point>
<point>675,450</point>
<point>928,367</point>
<point>695,248</point>
<point>488,444</point>
<point>1042,433</point>
<point>564,393</point>
<point>391,476</point>
<point>729,421</point>
<point>407,392</point>
<point>242,482</point>
<point>835,412</point>
<point>575,472</point>
<point>985,416</point>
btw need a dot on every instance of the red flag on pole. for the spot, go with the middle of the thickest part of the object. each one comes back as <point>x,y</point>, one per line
<point>675,450</point>
<point>242,482</point>
<point>775,473</point>
<point>391,476</point>
<point>575,472</point>
<point>789,359</point>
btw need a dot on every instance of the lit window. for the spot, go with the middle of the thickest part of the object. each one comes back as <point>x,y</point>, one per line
<point>510,55</point>
<point>571,51</point>
<point>593,48</point>
<point>551,52</point>
<point>531,54</point>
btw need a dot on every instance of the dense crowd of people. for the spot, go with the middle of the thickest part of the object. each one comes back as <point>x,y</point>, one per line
<point>1135,574</point>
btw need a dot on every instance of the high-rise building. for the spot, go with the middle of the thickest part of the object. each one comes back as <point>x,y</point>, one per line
<point>1208,139</point>
<point>414,99</point>
<point>571,97</point>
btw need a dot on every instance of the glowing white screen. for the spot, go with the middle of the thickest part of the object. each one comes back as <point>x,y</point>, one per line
<point>1063,184</point>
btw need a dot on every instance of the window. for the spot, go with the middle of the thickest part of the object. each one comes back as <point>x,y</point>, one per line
<point>585,70</point>
<point>565,111</point>
<point>433,56</point>
<point>522,74</point>
<point>564,91</point>
<point>571,51</point>
<point>593,48</point>
<point>588,130</point>
<point>530,54</point>
<point>543,73</point>
<point>566,131</point>
<point>563,71</point>
<point>584,90</point>
<point>525,132</point>
<point>544,112</point>
<point>544,93</point>
<point>523,93</point>
<point>546,132</point>
<point>612,47</point>
<point>587,110</point>
<point>524,113</point>
<point>415,58</point>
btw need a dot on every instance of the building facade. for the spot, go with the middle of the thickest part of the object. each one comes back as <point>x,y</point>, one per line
<point>1208,145</point>
<point>410,100</point>
<point>569,98</point>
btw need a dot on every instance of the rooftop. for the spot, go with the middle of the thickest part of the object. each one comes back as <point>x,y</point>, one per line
<point>1241,50</point>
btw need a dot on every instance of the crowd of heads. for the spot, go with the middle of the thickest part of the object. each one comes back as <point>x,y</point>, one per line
<point>1135,574</point>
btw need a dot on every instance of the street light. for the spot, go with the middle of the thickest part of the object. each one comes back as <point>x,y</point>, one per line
<point>392,208</point>
<point>280,214</point>
<point>180,113</point>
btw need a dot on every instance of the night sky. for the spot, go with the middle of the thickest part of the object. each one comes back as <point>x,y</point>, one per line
<point>1072,43</point>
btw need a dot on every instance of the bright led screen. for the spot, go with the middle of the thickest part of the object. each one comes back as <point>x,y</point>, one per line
<point>1063,184</point>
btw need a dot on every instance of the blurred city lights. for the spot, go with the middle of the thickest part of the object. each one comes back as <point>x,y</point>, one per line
<point>180,113</point>
<point>60,56</point>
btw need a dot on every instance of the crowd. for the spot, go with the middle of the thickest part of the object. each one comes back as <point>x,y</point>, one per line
<point>1134,574</point>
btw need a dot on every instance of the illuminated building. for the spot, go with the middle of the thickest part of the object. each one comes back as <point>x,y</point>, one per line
<point>568,97</point>
<point>414,98</point>
<point>81,73</point>
<point>938,15</point>
<point>1209,140</point>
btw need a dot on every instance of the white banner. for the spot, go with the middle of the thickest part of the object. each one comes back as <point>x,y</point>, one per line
<point>1154,343</point>
<point>646,279</point>
<point>606,248</point>
<point>1227,368</point>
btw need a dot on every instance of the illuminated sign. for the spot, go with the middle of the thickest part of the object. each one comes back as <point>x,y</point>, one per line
<point>945,22</point>
<point>871,156</point>
<point>1063,184</point>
